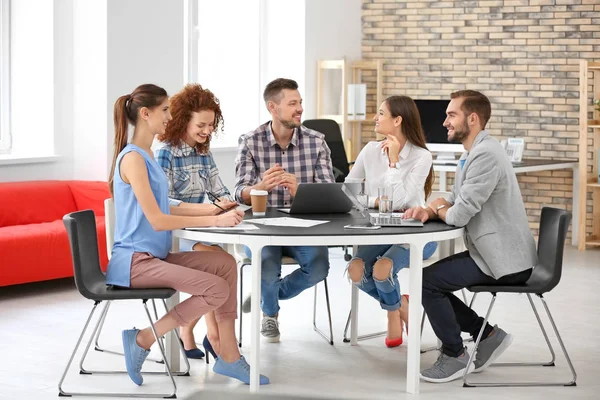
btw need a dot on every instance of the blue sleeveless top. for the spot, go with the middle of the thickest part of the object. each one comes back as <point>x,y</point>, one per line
<point>133,232</point>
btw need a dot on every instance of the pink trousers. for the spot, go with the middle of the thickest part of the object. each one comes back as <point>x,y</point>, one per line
<point>210,277</point>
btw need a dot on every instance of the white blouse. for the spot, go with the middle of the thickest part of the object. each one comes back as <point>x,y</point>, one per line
<point>408,180</point>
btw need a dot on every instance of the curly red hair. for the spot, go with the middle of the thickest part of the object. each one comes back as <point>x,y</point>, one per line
<point>192,98</point>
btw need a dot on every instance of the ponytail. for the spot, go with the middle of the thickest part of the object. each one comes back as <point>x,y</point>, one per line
<point>121,125</point>
<point>126,112</point>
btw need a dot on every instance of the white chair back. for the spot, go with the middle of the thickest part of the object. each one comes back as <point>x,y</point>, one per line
<point>109,222</point>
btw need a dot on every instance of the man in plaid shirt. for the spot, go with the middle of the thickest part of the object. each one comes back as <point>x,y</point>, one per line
<point>276,157</point>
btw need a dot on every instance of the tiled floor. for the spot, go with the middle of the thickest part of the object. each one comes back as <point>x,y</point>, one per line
<point>39,324</point>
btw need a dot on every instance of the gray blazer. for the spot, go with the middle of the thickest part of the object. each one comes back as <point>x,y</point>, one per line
<point>487,202</point>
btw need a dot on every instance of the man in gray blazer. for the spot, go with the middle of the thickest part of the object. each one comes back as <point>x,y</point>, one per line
<point>487,202</point>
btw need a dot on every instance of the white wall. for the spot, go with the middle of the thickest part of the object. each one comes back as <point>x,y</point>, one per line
<point>89,90</point>
<point>145,45</point>
<point>333,32</point>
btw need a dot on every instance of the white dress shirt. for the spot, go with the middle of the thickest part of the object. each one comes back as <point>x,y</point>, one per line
<point>407,179</point>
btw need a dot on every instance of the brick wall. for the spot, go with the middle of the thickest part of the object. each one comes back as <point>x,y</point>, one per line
<point>523,54</point>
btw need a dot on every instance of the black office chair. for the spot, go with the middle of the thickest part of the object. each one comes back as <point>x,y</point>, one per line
<point>91,283</point>
<point>554,224</point>
<point>335,141</point>
<point>339,160</point>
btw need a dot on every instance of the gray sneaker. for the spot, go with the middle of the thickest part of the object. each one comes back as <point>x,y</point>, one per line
<point>270,329</point>
<point>447,368</point>
<point>491,348</point>
<point>247,304</point>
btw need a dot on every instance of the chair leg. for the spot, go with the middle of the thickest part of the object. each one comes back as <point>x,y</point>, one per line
<point>518,384</point>
<point>98,331</point>
<point>479,335</point>
<point>533,364</point>
<point>573,381</point>
<point>361,337</point>
<point>330,338</point>
<point>241,302</point>
<point>102,318</point>
<point>347,256</point>
<point>472,300</point>
<point>160,344</point>
<point>63,393</point>
<point>464,295</point>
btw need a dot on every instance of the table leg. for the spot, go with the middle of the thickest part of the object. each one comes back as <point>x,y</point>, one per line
<point>354,315</point>
<point>413,361</point>
<point>575,219</point>
<point>255,318</point>
<point>171,347</point>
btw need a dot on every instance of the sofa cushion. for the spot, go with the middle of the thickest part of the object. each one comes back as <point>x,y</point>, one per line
<point>90,195</point>
<point>39,252</point>
<point>34,202</point>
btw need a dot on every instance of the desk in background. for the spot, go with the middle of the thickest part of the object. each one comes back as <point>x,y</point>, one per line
<point>532,166</point>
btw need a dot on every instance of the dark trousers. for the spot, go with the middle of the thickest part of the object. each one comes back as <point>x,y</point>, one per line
<point>447,314</point>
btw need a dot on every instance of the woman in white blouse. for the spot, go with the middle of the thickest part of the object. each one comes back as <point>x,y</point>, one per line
<point>401,162</point>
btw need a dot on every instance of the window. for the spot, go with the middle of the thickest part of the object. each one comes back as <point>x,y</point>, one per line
<point>5,139</point>
<point>235,57</point>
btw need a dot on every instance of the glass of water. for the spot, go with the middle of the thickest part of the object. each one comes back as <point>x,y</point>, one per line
<point>386,201</point>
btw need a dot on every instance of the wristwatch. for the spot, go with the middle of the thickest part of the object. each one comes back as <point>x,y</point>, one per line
<point>394,165</point>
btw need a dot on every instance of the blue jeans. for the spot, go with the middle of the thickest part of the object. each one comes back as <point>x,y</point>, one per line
<point>314,267</point>
<point>387,292</point>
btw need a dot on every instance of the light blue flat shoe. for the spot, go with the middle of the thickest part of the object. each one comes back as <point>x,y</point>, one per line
<point>134,355</point>
<point>239,370</point>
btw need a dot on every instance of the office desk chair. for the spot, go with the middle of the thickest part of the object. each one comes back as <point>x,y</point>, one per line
<point>243,260</point>
<point>91,283</point>
<point>109,222</point>
<point>554,224</point>
<point>339,160</point>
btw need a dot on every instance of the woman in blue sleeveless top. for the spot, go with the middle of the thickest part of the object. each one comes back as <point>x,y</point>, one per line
<point>144,220</point>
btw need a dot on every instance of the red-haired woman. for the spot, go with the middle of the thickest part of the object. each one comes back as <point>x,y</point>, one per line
<point>193,176</point>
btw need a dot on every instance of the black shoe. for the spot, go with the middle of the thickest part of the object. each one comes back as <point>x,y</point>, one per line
<point>208,349</point>
<point>195,353</point>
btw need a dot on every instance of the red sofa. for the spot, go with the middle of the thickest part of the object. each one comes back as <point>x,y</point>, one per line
<point>33,241</point>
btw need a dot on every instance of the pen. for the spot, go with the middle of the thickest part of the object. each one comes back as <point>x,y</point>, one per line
<point>218,206</point>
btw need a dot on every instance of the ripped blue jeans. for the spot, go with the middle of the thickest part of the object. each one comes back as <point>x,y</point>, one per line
<point>387,291</point>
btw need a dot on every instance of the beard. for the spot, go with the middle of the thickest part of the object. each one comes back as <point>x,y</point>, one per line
<point>289,123</point>
<point>460,134</point>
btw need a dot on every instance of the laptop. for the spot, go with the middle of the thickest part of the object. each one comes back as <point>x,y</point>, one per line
<point>374,219</point>
<point>319,198</point>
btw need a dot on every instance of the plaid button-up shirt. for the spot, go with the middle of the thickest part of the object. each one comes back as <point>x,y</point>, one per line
<point>190,173</point>
<point>307,156</point>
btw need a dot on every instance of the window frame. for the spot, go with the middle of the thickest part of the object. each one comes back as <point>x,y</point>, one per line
<point>191,38</point>
<point>5,131</point>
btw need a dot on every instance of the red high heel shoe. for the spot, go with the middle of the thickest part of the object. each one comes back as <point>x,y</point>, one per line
<point>404,321</point>
<point>393,342</point>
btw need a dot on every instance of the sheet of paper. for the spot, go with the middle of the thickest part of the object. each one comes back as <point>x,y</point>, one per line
<point>244,207</point>
<point>241,227</point>
<point>287,221</point>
